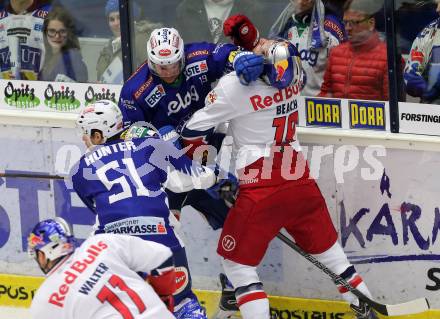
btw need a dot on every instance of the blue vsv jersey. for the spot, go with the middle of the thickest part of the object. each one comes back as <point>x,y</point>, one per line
<point>145,97</point>
<point>122,181</point>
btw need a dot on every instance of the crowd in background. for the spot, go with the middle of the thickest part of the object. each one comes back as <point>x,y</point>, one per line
<point>343,56</point>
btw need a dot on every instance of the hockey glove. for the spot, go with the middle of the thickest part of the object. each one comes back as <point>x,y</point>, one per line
<point>226,186</point>
<point>136,131</point>
<point>168,133</point>
<point>168,301</point>
<point>242,31</point>
<point>164,284</point>
<point>248,66</point>
<point>415,84</point>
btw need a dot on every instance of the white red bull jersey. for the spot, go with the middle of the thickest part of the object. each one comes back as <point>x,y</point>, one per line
<point>99,280</point>
<point>259,117</point>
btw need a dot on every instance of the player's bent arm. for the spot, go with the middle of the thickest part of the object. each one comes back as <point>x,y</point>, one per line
<point>132,111</point>
<point>39,309</point>
<point>218,109</point>
<point>180,182</point>
<point>139,255</point>
<point>154,259</point>
<point>163,281</point>
<point>189,174</point>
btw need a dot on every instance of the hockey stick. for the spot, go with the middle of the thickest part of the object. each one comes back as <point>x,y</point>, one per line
<point>406,308</point>
<point>36,175</point>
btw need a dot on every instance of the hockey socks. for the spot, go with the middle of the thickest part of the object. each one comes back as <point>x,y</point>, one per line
<point>253,302</point>
<point>251,298</point>
<point>336,260</point>
<point>353,278</point>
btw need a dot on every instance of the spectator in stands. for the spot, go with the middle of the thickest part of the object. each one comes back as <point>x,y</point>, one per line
<point>63,60</point>
<point>358,68</point>
<point>422,70</point>
<point>109,65</point>
<point>295,23</point>
<point>202,20</point>
<point>20,37</point>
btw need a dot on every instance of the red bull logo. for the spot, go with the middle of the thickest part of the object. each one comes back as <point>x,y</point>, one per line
<point>281,67</point>
<point>34,240</point>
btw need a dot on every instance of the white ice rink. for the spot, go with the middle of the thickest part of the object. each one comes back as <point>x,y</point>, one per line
<point>14,313</point>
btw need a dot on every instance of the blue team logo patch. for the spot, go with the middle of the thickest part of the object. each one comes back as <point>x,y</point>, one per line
<point>367,115</point>
<point>195,69</point>
<point>155,95</point>
<point>323,112</point>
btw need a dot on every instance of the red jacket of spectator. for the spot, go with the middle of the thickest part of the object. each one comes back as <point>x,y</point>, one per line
<point>357,72</point>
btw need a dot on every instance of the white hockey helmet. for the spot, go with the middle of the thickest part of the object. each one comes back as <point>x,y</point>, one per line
<point>103,115</point>
<point>165,47</point>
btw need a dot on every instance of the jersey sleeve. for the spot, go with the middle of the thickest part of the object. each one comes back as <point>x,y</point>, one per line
<point>221,59</point>
<point>141,255</point>
<point>334,30</point>
<point>39,309</point>
<point>81,186</point>
<point>183,173</point>
<point>219,108</point>
<point>131,109</point>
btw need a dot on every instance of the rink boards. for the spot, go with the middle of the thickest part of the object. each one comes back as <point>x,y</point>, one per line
<point>381,189</point>
<point>17,291</point>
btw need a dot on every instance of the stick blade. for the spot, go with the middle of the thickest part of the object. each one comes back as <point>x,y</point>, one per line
<point>408,308</point>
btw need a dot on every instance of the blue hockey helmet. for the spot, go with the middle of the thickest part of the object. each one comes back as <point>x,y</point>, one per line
<point>282,65</point>
<point>53,237</point>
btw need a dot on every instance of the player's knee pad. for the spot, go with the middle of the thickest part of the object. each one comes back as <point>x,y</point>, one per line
<point>240,275</point>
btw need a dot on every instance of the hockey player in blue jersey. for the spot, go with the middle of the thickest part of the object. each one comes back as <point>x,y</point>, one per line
<point>172,84</point>
<point>122,181</point>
